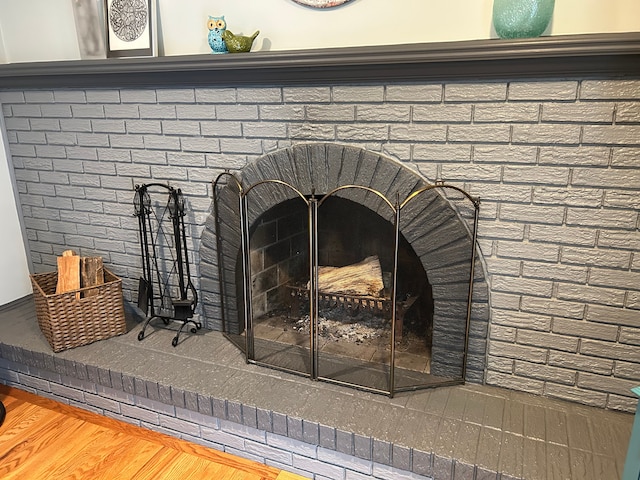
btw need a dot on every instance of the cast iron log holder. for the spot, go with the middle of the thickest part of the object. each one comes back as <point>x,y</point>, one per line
<point>354,303</point>
<point>164,260</point>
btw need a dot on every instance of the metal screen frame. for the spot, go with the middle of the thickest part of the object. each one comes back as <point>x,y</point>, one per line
<point>312,203</point>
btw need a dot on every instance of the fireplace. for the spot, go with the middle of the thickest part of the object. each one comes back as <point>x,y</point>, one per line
<point>543,130</point>
<point>314,277</point>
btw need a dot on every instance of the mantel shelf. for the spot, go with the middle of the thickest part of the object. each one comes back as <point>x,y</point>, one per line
<point>609,55</point>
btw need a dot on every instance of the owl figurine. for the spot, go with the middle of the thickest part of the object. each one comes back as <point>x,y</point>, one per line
<point>217,26</point>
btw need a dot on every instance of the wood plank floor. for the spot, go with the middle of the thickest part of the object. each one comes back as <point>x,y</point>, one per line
<point>41,438</point>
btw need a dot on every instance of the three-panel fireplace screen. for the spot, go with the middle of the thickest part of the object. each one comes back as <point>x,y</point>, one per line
<point>348,286</point>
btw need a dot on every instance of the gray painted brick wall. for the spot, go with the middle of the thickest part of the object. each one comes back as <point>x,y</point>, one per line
<point>556,164</point>
<point>305,456</point>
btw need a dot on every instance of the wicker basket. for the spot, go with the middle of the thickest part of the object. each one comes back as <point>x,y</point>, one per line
<point>68,321</point>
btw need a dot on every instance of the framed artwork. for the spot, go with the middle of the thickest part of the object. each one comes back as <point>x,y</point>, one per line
<point>321,3</point>
<point>130,27</point>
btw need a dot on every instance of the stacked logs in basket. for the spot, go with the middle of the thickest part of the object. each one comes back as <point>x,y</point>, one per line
<point>75,272</point>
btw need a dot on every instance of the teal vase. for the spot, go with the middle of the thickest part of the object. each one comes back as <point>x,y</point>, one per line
<point>521,18</point>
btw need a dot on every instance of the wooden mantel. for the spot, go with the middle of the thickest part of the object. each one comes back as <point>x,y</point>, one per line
<point>593,55</point>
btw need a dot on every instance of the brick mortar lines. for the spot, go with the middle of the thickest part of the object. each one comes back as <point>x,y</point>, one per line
<point>63,168</point>
<point>221,433</point>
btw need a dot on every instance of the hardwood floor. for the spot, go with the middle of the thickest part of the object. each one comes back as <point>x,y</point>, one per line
<point>44,439</point>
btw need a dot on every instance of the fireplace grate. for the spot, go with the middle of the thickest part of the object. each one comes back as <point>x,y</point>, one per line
<point>354,303</point>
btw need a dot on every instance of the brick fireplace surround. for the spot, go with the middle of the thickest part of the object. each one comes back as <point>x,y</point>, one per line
<point>546,132</point>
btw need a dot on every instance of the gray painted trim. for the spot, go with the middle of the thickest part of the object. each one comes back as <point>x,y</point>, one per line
<point>567,55</point>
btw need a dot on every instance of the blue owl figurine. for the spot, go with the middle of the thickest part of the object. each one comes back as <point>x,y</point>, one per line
<point>217,26</point>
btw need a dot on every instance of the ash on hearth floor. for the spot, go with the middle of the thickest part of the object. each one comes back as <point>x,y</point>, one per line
<point>204,388</point>
<point>365,340</point>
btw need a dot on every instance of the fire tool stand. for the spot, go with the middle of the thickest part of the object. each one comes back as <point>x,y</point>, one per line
<point>165,261</point>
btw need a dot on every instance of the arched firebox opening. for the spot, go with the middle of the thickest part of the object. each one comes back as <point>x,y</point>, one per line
<point>437,230</point>
<point>357,245</point>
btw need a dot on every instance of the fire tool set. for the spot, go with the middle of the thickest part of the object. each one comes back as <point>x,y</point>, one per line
<point>165,260</point>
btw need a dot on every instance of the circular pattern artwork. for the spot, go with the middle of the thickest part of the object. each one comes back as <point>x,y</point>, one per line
<point>321,3</point>
<point>128,18</point>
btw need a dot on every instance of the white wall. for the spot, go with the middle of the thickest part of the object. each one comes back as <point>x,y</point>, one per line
<point>286,25</point>
<point>14,266</point>
<point>35,30</point>
<point>45,30</point>
<point>3,56</point>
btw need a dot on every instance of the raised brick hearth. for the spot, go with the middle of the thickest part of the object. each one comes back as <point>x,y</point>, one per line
<point>321,431</point>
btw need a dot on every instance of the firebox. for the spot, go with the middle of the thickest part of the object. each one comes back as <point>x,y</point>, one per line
<point>347,282</point>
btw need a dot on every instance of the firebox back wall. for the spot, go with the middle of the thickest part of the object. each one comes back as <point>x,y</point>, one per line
<point>556,164</point>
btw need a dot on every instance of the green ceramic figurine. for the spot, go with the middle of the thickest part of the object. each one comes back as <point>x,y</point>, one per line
<point>238,43</point>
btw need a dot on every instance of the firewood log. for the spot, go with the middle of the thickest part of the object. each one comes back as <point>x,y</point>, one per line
<point>92,274</point>
<point>68,272</point>
<point>362,278</point>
